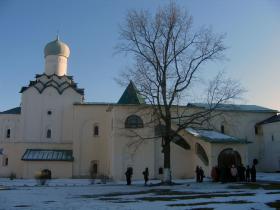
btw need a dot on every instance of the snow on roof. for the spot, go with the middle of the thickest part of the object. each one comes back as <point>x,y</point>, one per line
<point>214,136</point>
<point>233,107</point>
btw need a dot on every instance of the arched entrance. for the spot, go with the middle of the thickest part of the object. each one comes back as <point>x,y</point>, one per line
<point>228,157</point>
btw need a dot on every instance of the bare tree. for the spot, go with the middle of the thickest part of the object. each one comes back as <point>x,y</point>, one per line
<point>169,54</point>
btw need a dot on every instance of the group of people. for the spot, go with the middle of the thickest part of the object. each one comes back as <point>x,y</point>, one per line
<point>129,172</point>
<point>234,173</point>
<point>199,174</point>
<point>223,174</point>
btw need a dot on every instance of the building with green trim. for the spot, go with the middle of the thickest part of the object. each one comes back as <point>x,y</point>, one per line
<point>54,128</point>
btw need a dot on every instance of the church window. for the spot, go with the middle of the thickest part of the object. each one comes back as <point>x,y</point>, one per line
<point>134,121</point>
<point>272,137</point>
<point>222,129</point>
<point>49,112</point>
<point>256,130</point>
<point>5,161</point>
<point>49,133</point>
<point>8,133</point>
<point>96,130</point>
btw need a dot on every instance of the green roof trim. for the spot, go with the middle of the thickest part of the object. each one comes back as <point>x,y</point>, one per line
<point>131,95</point>
<point>47,155</point>
<point>16,110</point>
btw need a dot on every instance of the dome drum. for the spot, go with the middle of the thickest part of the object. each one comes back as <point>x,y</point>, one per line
<point>56,55</point>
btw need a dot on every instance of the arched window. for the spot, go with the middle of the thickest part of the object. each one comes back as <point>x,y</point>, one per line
<point>49,133</point>
<point>256,130</point>
<point>134,121</point>
<point>5,160</point>
<point>201,153</point>
<point>96,130</point>
<point>8,133</point>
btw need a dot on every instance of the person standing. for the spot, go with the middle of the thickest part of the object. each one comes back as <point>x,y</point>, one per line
<point>233,172</point>
<point>253,173</point>
<point>248,171</point>
<point>214,174</point>
<point>146,175</point>
<point>242,173</point>
<point>197,172</point>
<point>128,175</point>
<point>201,174</point>
<point>223,174</point>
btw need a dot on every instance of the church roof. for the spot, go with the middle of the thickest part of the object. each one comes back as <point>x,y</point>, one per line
<point>47,155</point>
<point>131,95</point>
<point>57,47</point>
<point>16,110</point>
<point>214,136</point>
<point>275,118</point>
<point>60,83</point>
<point>233,107</point>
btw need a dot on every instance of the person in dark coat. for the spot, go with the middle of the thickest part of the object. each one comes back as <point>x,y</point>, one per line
<point>253,173</point>
<point>201,174</point>
<point>241,173</point>
<point>215,174</point>
<point>197,172</point>
<point>146,175</point>
<point>128,175</point>
<point>223,174</point>
<point>248,171</point>
<point>233,173</point>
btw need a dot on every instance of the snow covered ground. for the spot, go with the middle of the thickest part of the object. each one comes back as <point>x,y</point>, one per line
<point>70,194</point>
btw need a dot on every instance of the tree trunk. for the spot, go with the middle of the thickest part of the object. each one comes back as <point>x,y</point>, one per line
<point>166,171</point>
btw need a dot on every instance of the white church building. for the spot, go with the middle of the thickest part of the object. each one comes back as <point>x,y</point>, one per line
<point>55,129</point>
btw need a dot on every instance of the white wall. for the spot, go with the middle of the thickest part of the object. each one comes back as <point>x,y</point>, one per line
<point>271,147</point>
<point>12,122</point>
<point>35,118</point>
<point>128,150</point>
<point>88,147</point>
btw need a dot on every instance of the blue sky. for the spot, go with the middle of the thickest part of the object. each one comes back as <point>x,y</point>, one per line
<point>90,28</point>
